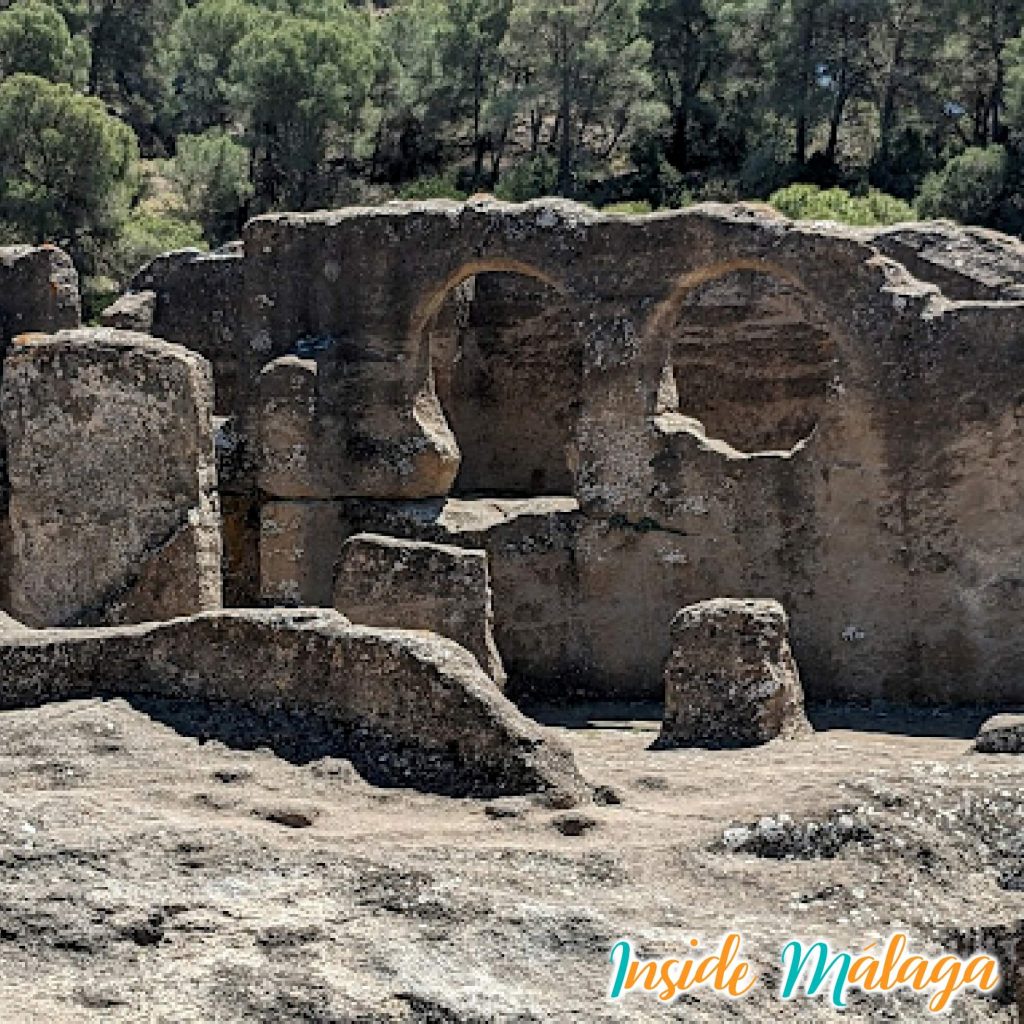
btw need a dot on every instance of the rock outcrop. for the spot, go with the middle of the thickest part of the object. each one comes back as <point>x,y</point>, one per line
<point>114,511</point>
<point>409,708</point>
<point>382,581</point>
<point>734,402</point>
<point>731,680</point>
<point>1003,734</point>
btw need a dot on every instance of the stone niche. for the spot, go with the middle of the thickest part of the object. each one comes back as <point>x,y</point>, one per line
<point>114,511</point>
<point>507,358</point>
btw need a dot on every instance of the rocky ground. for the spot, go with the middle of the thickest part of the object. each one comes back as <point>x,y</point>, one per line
<point>145,876</point>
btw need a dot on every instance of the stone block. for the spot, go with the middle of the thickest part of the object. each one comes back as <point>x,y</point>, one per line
<point>383,581</point>
<point>1001,734</point>
<point>114,514</point>
<point>133,311</point>
<point>731,679</point>
<point>299,545</point>
<point>38,290</point>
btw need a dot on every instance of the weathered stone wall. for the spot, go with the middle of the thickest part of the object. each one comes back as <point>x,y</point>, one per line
<point>114,512</point>
<point>38,292</point>
<point>763,408</point>
<point>196,303</point>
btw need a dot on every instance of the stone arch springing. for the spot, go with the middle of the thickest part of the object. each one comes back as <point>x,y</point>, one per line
<point>504,356</point>
<point>746,356</point>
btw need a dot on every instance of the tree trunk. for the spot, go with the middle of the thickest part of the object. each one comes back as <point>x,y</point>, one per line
<point>565,155</point>
<point>805,81</point>
<point>835,122</point>
<point>887,116</point>
<point>478,146</point>
<point>999,80</point>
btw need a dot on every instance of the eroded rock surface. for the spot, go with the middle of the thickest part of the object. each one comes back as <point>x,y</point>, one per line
<point>737,403</point>
<point>731,680</point>
<point>114,510</point>
<point>411,708</point>
<point>382,581</point>
<point>1002,734</point>
<point>156,874</point>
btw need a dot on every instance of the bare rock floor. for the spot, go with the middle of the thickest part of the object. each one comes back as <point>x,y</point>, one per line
<point>145,876</point>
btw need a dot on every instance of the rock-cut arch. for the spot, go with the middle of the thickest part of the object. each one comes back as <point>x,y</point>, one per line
<point>744,348</point>
<point>505,358</point>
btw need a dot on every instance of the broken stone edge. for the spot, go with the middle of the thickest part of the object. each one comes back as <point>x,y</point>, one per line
<point>409,708</point>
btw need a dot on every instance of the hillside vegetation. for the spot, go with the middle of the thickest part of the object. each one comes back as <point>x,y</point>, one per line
<point>132,126</point>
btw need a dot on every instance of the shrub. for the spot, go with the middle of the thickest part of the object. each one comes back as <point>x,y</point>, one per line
<point>971,188</point>
<point>635,207</point>
<point>147,234</point>
<point>528,179</point>
<point>439,187</point>
<point>808,202</point>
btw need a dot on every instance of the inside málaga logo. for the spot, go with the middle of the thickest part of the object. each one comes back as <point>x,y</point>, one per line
<point>809,969</point>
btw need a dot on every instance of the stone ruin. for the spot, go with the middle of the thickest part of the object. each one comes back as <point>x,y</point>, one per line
<point>627,414</point>
<point>731,680</point>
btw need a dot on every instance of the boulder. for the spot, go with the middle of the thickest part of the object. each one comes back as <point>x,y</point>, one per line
<point>383,581</point>
<point>1002,734</point>
<point>410,708</point>
<point>731,679</point>
<point>114,513</point>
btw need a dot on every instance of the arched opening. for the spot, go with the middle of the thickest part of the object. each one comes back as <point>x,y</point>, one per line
<point>747,354</point>
<point>507,362</point>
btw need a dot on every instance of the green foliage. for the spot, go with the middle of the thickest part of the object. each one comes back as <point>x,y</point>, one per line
<point>126,38</point>
<point>768,167</point>
<point>438,187</point>
<point>212,173</point>
<point>67,167</point>
<point>147,233</point>
<point>588,89</point>
<point>974,188</point>
<point>304,86</point>
<point>529,179</point>
<point>198,60</point>
<point>871,105</point>
<point>34,40</point>
<point>809,202</point>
